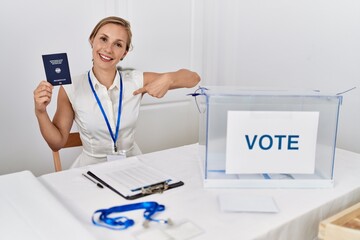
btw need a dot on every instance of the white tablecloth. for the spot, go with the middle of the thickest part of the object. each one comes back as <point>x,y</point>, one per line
<point>29,211</point>
<point>301,210</point>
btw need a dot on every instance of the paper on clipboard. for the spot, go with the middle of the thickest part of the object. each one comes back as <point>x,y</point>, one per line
<point>134,179</point>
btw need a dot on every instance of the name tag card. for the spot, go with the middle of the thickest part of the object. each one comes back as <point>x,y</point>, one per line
<point>271,142</point>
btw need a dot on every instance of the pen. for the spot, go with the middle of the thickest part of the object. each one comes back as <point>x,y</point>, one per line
<point>106,184</point>
<point>97,184</point>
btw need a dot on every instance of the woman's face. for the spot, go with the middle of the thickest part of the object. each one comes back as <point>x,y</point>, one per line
<point>109,46</point>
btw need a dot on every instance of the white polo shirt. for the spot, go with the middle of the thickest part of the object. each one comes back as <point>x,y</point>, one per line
<point>94,133</point>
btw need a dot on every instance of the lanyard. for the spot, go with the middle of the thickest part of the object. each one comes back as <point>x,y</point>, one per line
<point>102,217</point>
<point>114,137</point>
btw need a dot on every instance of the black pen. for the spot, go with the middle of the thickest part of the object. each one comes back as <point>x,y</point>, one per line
<point>97,184</point>
<point>107,185</point>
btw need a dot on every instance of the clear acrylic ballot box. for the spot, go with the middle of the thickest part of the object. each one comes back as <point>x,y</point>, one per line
<point>267,139</point>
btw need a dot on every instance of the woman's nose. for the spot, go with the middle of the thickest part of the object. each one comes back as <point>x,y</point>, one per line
<point>107,47</point>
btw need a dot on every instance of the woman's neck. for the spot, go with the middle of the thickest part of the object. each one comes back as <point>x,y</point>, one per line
<point>105,77</point>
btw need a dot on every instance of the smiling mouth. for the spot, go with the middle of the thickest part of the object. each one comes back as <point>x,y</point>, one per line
<point>105,58</point>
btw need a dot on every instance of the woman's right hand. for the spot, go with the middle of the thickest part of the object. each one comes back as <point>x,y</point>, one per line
<point>42,96</point>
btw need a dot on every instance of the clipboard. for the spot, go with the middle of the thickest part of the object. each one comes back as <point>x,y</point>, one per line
<point>134,179</point>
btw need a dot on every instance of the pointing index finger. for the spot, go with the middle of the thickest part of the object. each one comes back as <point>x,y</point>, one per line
<point>140,90</point>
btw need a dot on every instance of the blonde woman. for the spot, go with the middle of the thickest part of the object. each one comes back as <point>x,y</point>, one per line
<point>104,102</point>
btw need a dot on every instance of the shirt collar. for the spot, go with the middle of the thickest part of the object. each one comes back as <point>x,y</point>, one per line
<point>115,85</point>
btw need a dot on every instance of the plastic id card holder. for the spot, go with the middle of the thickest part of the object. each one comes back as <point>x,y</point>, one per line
<point>178,230</point>
<point>132,179</point>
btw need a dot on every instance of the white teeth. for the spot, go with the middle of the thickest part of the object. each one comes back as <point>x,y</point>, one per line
<point>104,57</point>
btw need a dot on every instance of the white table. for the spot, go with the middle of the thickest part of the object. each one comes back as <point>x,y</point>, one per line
<point>301,210</point>
<point>29,211</point>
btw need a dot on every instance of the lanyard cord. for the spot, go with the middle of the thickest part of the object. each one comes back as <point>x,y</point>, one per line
<point>114,137</point>
<point>121,222</point>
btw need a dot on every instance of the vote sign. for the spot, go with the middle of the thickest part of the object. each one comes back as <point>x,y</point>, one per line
<point>271,142</point>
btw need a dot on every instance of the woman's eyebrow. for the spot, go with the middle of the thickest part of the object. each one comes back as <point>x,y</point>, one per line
<point>103,34</point>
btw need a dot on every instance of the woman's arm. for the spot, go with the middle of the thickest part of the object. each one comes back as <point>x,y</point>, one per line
<point>57,131</point>
<point>157,84</point>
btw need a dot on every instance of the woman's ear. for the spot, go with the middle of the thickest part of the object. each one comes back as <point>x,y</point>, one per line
<point>91,42</point>
<point>123,56</point>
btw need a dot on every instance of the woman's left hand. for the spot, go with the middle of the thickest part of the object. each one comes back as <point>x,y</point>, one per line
<point>158,84</point>
<point>157,87</point>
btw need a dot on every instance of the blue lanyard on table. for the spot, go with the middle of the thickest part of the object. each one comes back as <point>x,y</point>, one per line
<point>121,222</point>
<point>113,136</point>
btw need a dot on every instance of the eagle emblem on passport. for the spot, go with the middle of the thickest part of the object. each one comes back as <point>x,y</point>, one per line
<point>57,68</point>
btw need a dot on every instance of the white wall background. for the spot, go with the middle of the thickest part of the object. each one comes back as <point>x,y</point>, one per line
<point>28,30</point>
<point>308,44</point>
<point>311,44</point>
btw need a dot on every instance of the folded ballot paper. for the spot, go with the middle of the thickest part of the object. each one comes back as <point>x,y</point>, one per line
<point>29,211</point>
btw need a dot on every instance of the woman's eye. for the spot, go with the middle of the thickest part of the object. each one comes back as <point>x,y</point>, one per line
<point>103,39</point>
<point>118,45</point>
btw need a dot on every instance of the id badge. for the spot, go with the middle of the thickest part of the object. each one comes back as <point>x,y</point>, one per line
<point>114,157</point>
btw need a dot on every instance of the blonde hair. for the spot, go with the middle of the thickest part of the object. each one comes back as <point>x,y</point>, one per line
<point>114,20</point>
